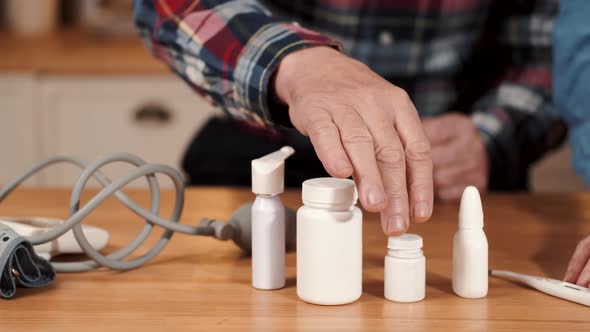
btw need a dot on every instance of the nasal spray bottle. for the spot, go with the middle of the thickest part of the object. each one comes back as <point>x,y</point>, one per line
<point>470,249</point>
<point>268,220</point>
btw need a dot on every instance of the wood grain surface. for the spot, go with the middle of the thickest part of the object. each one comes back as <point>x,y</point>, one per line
<point>76,51</point>
<point>202,284</point>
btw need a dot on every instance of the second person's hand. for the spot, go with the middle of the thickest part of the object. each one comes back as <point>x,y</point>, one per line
<point>459,155</point>
<point>578,270</point>
<point>361,125</point>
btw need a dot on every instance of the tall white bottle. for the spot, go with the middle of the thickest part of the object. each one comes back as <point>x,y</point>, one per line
<point>470,249</point>
<point>329,243</point>
<point>268,220</point>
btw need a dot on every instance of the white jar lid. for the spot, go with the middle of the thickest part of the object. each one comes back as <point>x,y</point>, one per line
<point>405,242</point>
<point>329,193</point>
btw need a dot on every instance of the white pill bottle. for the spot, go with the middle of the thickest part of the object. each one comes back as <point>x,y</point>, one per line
<point>405,269</point>
<point>329,243</point>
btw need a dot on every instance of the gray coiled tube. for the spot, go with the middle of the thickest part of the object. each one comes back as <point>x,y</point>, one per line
<point>77,214</point>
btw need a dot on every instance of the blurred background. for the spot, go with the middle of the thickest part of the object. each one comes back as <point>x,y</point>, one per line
<point>75,79</point>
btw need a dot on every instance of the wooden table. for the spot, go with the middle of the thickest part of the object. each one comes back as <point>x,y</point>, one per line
<point>202,284</point>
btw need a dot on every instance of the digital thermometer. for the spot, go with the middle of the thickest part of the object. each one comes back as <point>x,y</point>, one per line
<point>553,287</point>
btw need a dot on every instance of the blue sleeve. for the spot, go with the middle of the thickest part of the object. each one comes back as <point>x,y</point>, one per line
<point>571,78</point>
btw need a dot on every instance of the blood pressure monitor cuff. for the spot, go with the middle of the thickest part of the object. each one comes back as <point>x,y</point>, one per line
<point>20,266</point>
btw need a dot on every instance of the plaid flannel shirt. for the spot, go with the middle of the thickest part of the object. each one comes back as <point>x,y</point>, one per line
<point>489,59</point>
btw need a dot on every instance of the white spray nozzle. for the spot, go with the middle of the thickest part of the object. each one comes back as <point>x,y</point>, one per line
<point>268,172</point>
<point>470,212</point>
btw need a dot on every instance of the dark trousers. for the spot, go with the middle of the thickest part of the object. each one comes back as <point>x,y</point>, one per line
<point>220,155</point>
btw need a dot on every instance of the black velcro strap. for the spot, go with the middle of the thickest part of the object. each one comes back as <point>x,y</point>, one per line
<point>20,265</point>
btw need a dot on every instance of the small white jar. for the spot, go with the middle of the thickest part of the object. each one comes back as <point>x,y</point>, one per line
<point>405,269</point>
<point>329,243</point>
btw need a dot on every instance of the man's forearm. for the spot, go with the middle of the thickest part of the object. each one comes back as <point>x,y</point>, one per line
<point>226,50</point>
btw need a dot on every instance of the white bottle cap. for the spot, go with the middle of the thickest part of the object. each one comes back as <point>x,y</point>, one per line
<point>268,172</point>
<point>404,242</point>
<point>470,212</point>
<point>329,193</point>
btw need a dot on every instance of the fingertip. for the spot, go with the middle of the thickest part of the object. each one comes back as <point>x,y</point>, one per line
<point>573,273</point>
<point>420,220</point>
<point>384,225</point>
<point>394,225</point>
<point>584,277</point>
<point>375,208</point>
<point>341,169</point>
<point>394,234</point>
<point>421,212</point>
<point>374,199</point>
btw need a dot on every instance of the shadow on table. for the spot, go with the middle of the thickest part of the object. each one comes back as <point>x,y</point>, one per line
<point>439,282</point>
<point>373,287</point>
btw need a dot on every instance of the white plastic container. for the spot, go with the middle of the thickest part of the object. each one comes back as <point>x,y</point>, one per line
<point>405,269</point>
<point>470,249</point>
<point>268,243</point>
<point>268,220</point>
<point>329,243</point>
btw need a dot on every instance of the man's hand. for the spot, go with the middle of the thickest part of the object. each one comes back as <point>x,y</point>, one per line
<point>578,270</point>
<point>361,125</point>
<point>458,153</point>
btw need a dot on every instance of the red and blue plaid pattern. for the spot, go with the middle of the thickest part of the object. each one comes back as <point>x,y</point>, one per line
<point>489,59</point>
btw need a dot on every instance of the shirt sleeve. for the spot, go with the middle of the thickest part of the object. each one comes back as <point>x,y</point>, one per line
<point>226,50</point>
<point>572,63</point>
<point>516,117</point>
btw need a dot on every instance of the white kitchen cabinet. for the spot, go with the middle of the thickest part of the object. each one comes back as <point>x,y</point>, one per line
<point>17,144</point>
<point>153,117</point>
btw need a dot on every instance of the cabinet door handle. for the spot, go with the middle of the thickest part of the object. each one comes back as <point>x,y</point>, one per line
<point>153,113</point>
